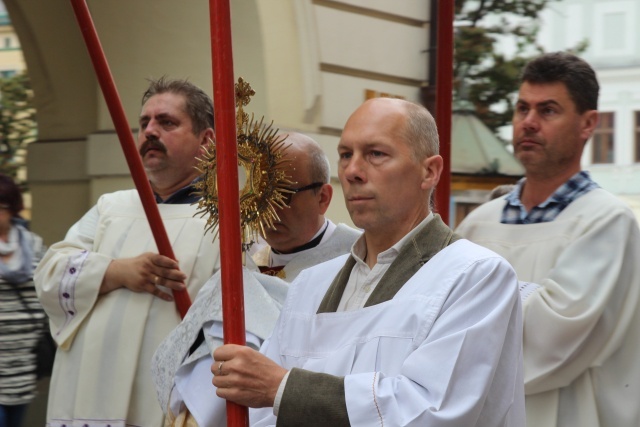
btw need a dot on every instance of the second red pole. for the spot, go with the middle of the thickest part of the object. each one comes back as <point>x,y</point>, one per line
<point>228,188</point>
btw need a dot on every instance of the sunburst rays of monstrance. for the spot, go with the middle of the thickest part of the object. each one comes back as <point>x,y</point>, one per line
<point>262,166</point>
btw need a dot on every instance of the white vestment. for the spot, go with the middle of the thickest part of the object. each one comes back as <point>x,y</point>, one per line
<point>444,351</point>
<point>185,379</point>
<point>582,311</point>
<point>336,241</point>
<point>101,374</point>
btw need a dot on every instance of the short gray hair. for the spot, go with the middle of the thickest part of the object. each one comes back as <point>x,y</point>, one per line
<point>421,132</point>
<point>319,166</point>
<point>319,169</point>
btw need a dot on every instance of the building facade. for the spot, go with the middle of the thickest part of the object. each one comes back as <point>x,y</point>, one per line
<point>311,63</point>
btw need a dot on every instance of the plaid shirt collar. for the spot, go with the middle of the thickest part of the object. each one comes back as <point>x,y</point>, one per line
<point>186,195</point>
<point>515,213</point>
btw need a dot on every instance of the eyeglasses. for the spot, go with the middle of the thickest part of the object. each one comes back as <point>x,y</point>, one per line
<point>286,196</point>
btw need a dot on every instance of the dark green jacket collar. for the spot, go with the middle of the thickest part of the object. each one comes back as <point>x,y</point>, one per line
<point>434,237</point>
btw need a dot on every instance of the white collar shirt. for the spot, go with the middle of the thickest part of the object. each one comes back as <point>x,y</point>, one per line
<point>363,280</point>
<point>276,259</point>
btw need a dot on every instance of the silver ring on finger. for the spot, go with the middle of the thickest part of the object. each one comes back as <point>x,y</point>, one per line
<point>220,368</point>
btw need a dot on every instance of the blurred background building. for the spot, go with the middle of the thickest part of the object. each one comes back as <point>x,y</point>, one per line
<point>311,64</point>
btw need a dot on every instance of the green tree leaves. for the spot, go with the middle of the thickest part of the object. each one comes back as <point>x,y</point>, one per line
<point>17,123</point>
<point>483,75</point>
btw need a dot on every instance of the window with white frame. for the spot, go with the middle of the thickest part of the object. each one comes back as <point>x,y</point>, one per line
<point>603,139</point>
<point>613,33</point>
<point>637,137</point>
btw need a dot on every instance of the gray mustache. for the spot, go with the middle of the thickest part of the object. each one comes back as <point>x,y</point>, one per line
<point>152,144</point>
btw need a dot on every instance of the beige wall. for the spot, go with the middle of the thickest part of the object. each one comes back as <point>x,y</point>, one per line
<point>310,62</point>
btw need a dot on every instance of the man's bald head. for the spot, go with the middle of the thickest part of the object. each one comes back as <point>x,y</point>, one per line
<point>309,168</point>
<point>306,153</point>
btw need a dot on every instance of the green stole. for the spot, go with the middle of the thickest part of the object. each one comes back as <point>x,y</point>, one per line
<point>434,237</point>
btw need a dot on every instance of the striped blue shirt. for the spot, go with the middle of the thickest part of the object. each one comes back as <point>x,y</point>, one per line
<point>514,211</point>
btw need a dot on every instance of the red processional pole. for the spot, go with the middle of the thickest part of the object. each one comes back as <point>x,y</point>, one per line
<point>228,188</point>
<point>444,95</point>
<point>182,300</point>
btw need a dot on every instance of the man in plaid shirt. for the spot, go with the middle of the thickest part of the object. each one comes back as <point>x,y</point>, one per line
<point>576,250</point>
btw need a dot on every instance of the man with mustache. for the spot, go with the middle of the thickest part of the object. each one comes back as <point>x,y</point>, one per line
<point>106,289</point>
<point>303,237</point>
<point>414,327</point>
<point>577,250</point>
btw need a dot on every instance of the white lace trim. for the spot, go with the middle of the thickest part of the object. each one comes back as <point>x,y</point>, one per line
<point>68,286</point>
<point>526,289</point>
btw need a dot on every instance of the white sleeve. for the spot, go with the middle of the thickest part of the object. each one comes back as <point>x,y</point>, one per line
<point>264,417</point>
<point>581,313</point>
<point>68,278</point>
